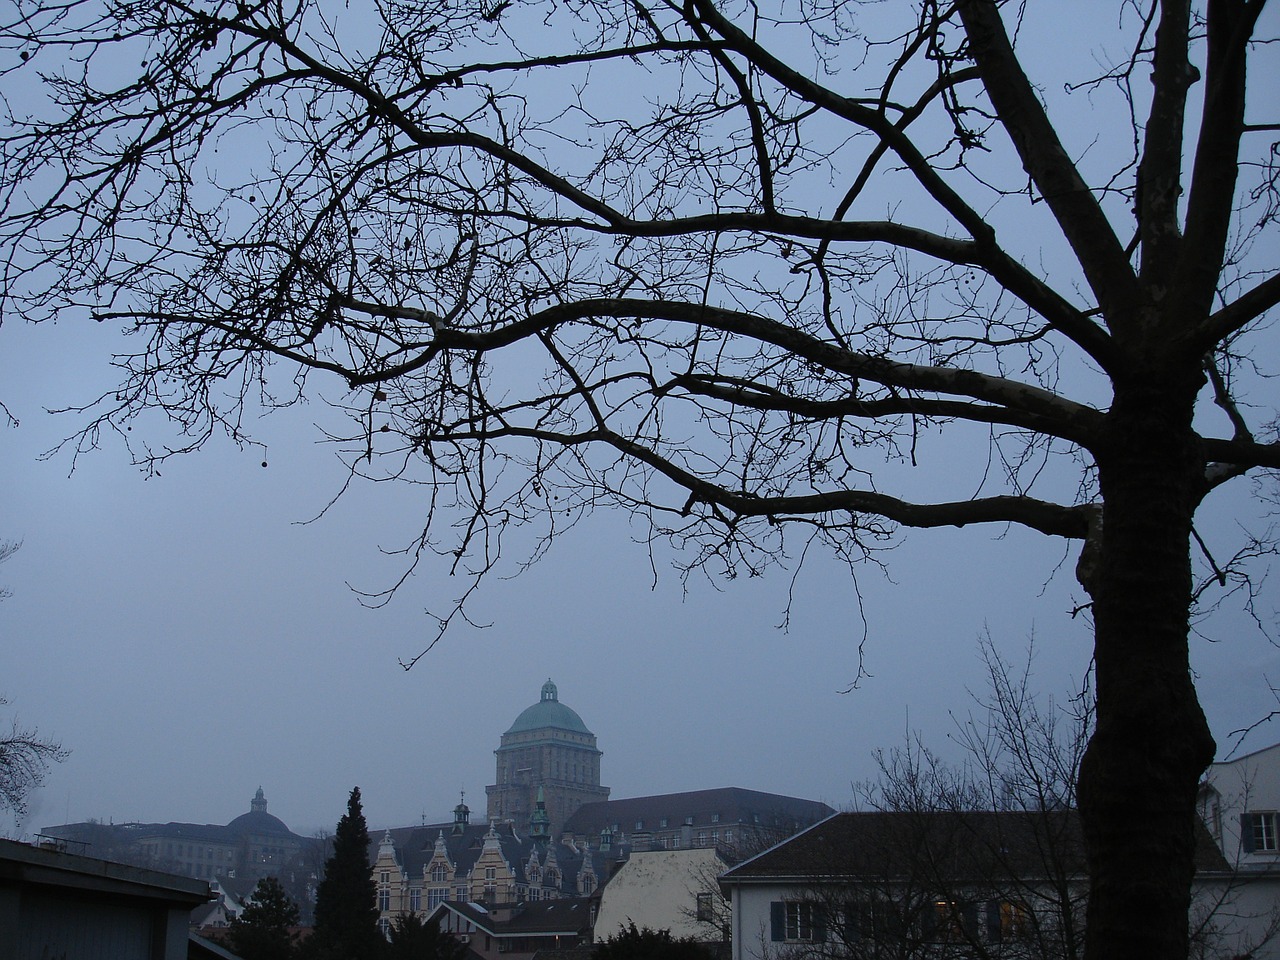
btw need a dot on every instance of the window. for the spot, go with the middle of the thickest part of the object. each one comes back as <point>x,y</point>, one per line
<point>715,818</point>
<point>662,822</point>
<point>384,900</point>
<point>797,921</point>
<point>415,900</point>
<point>951,922</point>
<point>1259,835</point>
<point>702,838</point>
<point>461,895</point>
<point>436,896</point>
<point>439,873</point>
<point>1008,922</point>
<point>490,874</point>
<point>869,920</point>
<point>706,908</point>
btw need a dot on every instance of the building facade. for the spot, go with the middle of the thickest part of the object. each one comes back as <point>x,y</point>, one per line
<point>498,866</point>
<point>547,749</point>
<point>253,845</point>
<point>1240,804</point>
<point>552,833</point>
<point>935,884</point>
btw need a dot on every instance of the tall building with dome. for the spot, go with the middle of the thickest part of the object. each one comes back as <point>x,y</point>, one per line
<point>548,748</point>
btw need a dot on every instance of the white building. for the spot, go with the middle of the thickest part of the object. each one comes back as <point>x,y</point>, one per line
<point>672,890</point>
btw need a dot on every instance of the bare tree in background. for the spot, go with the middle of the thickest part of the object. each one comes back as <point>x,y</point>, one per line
<point>25,756</point>
<point>732,268</point>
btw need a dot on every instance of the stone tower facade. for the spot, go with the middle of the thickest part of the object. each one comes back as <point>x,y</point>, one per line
<point>548,754</point>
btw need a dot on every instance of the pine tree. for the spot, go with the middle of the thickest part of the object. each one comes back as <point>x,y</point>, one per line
<point>346,900</point>
<point>262,932</point>
<point>413,938</point>
<point>630,943</point>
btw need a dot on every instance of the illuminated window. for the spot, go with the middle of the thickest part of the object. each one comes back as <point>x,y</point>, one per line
<point>1008,921</point>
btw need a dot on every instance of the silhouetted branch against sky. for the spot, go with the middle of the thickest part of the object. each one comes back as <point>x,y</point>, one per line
<point>730,269</point>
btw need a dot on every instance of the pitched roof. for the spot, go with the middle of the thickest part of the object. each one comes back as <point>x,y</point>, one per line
<point>961,844</point>
<point>723,806</point>
<point>567,917</point>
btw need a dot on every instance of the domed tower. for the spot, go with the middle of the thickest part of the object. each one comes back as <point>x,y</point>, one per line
<point>548,748</point>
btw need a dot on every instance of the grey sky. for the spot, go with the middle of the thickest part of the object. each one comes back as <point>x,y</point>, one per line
<point>188,639</point>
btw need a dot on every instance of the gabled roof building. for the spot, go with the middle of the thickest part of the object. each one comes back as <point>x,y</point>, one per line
<point>957,883</point>
<point>519,932</point>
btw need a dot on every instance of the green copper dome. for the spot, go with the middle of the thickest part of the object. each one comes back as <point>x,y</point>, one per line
<point>549,712</point>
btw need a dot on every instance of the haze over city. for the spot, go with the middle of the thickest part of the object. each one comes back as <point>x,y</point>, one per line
<point>188,637</point>
<point>193,635</point>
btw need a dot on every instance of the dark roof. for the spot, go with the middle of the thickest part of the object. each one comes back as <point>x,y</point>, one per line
<point>568,916</point>
<point>415,846</point>
<point>202,948</point>
<point>258,822</point>
<point>24,865</point>
<point>239,887</point>
<point>724,806</point>
<point>978,844</point>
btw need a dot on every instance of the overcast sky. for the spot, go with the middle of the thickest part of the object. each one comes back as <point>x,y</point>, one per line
<point>189,637</point>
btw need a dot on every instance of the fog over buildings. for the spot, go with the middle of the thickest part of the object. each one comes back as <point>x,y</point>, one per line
<point>193,635</point>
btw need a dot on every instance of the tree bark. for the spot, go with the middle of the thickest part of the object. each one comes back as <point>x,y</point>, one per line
<point>1140,773</point>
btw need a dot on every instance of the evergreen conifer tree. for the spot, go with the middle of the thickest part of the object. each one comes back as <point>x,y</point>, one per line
<point>346,900</point>
<point>262,931</point>
<point>413,938</point>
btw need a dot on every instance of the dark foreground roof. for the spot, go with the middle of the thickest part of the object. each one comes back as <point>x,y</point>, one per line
<point>967,844</point>
<point>26,866</point>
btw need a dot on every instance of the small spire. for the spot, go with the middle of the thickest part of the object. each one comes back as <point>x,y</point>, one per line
<point>461,815</point>
<point>540,822</point>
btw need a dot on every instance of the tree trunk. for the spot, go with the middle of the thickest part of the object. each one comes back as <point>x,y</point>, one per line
<point>1140,773</point>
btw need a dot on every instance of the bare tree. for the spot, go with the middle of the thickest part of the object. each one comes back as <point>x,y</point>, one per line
<point>25,756</point>
<point>983,858</point>
<point>731,267</point>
